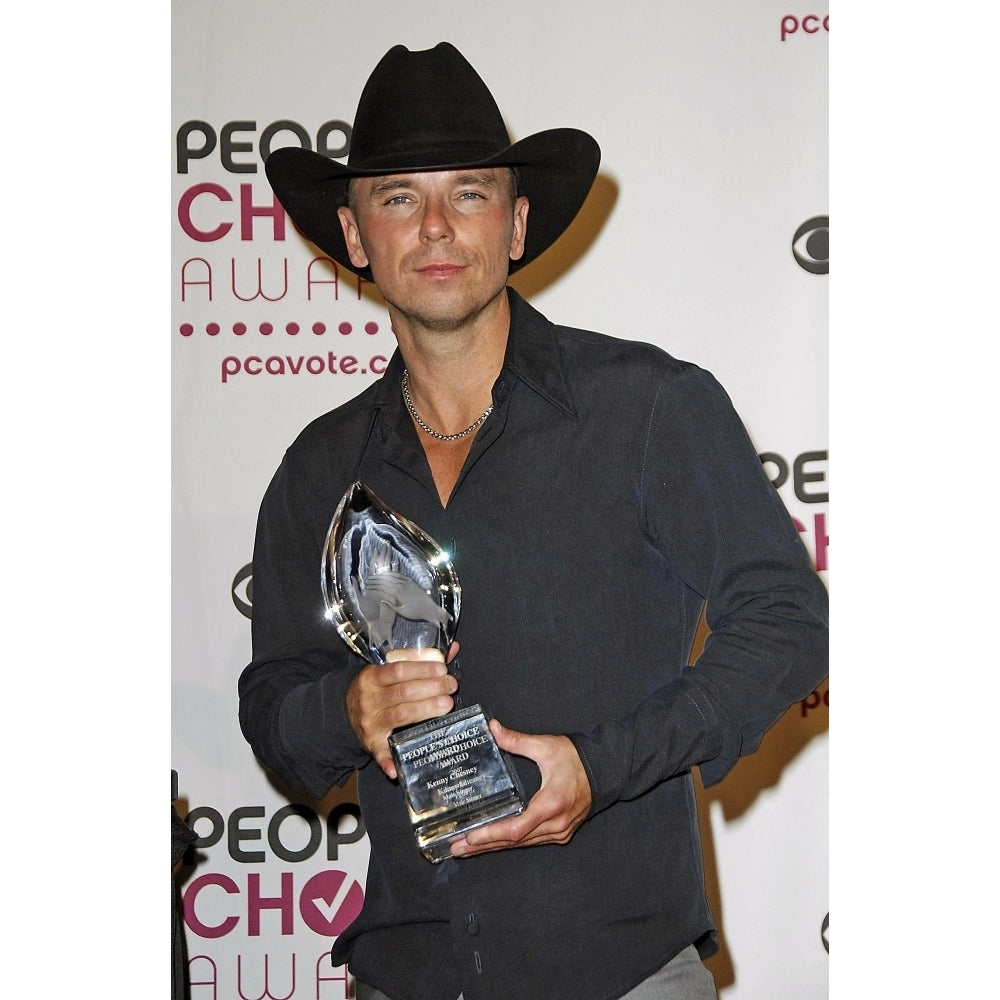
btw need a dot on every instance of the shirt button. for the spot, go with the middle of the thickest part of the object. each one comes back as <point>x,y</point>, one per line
<point>473,925</point>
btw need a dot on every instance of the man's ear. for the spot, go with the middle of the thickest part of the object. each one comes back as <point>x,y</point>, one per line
<point>352,237</point>
<point>520,228</point>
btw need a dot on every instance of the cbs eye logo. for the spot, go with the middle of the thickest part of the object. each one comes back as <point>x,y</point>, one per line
<point>811,245</point>
<point>242,591</point>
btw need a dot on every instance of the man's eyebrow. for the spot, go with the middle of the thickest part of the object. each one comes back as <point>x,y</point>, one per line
<point>382,185</point>
<point>477,177</point>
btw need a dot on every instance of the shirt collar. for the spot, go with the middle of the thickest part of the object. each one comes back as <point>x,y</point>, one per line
<point>532,357</point>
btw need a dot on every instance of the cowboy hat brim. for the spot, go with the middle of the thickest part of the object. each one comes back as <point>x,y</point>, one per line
<point>556,167</point>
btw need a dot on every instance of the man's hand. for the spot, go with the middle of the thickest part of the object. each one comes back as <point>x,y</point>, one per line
<point>412,686</point>
<point>556,810</point>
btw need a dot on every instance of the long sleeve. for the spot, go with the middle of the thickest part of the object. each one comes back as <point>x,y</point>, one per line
<point>292,694</point>
<point>709,508</point>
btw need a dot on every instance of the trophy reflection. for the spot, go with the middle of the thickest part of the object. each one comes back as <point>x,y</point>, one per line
<point>387,585</point>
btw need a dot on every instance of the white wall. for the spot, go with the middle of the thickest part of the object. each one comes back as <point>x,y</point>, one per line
<point>712,118</point>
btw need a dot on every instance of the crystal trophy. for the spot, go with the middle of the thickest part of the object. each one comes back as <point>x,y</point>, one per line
<point>387,585</point>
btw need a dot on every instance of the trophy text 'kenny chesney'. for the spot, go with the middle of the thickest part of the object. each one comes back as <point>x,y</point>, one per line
<point>387,585</point>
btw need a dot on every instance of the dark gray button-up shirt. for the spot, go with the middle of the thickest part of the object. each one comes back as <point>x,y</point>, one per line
<point>612,492</point>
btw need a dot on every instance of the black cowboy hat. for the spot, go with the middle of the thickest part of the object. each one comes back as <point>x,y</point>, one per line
<point>430,110</point>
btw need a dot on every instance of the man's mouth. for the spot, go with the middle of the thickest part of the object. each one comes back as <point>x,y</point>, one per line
<point>440,269</point>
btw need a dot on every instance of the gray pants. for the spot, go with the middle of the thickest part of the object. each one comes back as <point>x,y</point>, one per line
<point>684,978</point>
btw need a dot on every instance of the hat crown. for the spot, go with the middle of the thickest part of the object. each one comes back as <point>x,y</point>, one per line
<point>425,109</point>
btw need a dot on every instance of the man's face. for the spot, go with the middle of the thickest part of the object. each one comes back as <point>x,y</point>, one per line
<point>438,243</point>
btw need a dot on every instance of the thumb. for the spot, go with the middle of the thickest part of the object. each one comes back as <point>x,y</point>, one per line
<point>507,739</point>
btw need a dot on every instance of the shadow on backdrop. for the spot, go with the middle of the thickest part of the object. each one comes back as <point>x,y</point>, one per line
<point>750,778</point>
<point>573,245</point>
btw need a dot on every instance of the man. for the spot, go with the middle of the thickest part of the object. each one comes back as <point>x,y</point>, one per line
<point>594,493</point>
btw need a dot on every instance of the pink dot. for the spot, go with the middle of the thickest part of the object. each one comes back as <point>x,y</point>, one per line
<point>292,329</point>
<point>345,328</point>
<point>186,329</point>
<point>212,329</point>
<point>239,329</point>
<point>319,329</point>
<point>371,327</point>
<point>266,329</point>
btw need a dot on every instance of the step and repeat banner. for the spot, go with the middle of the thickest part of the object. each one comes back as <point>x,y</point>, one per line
<point>706,233</point>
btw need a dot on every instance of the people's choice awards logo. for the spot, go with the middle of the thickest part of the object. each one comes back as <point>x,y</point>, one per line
<point>330,901</point>
<point>811,245</point>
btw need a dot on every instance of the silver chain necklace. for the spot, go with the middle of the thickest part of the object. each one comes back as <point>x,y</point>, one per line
<point>429,430</point>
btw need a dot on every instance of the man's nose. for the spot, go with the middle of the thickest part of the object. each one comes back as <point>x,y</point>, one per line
<point>435,223</point>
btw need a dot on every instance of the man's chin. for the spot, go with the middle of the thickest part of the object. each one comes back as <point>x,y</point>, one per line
<point>444,311</point>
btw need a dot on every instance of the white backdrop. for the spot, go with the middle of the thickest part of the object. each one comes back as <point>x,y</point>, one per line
<point>712,118</point>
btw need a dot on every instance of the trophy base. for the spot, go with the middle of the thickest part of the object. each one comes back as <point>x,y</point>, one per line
<point>454,778</point>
